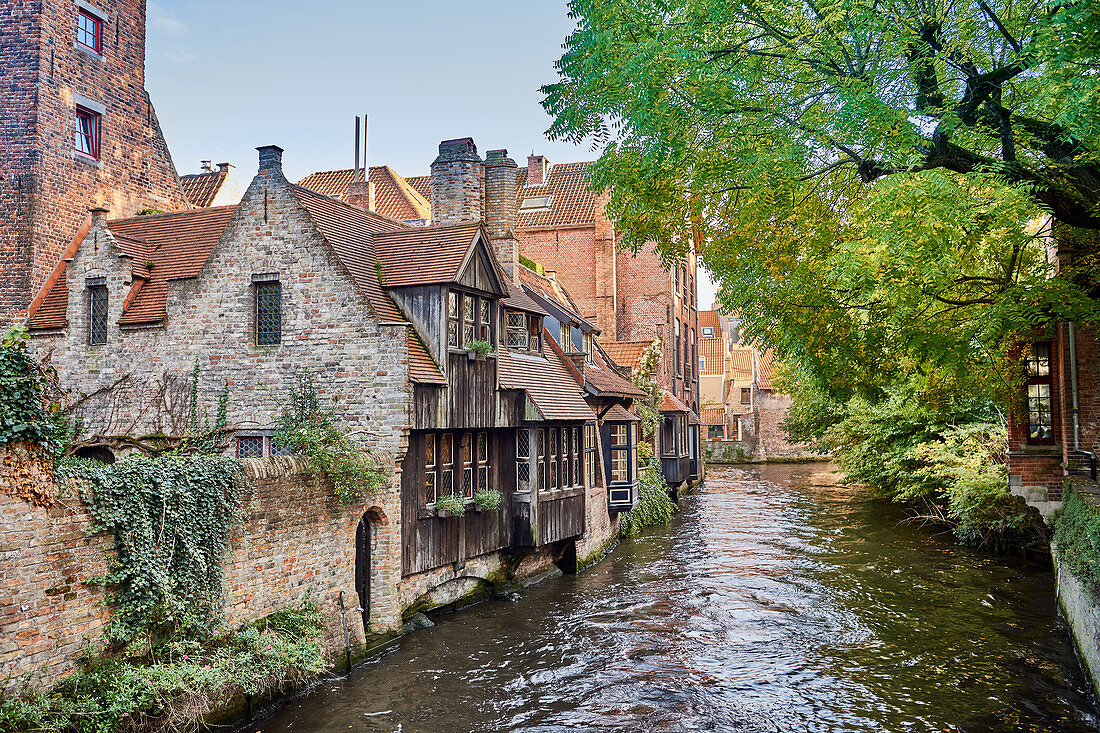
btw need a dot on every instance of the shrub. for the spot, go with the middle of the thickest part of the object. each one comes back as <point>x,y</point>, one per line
<point>25,412</point>
<point>451,503</point>
<point>1077,540</point>
<point>488,499</point>
<point>481,347</point>
<point>653,507</point>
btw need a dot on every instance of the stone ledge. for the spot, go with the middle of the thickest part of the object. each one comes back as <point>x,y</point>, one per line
<point>275,466</point>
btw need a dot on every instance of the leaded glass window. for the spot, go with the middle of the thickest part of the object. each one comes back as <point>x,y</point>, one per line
<point>452,319</point>
<point>523,460</point>
<point>97,314</point>
<point>269,326</point>
<point>517,330</point>
<point>1039,395</point>
<point>250,446</point>
<point>469,318</point>
<point>484,320</point>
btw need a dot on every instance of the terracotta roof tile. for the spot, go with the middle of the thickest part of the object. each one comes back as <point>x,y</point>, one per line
<point>606,381</point>
<point>50,307</point>
<point>625,353</point>
<point>766,361</point>
<point>394,196</point>
<point>618,413</point>
<point>547,382</point>
<point>572,202</point>
<point>202,188</point>
<point>740,364</point>
<point>672,403</point>
<point>712,416</point>
<point>422,368</point>
<point>424,255</point>
<point>422,184</point>
<point>713,353</point>
<point>519,300</point>
<point>710,319</point>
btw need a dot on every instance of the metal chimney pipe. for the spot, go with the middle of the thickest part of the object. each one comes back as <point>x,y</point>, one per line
<point>355,174</point>
<point>366,170</point>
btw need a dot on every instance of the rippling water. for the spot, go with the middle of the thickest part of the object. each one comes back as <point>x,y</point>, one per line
<point>777,601</point>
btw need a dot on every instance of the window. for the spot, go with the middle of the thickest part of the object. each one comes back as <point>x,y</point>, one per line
<point>534,329</point>
<point>702,364</point>
<point>746,395</point>
<point>682,427</point>
<point>590,453</point>
<point>676,345</point>
<point>431,488</point>
<point>708,330</point>
<point>636,461</point>
<point>553,458</point>
<point>714,432</point>
<point>485,321</point>
<point>87,133</point>
<point>543,467</point>
<point>1039,400</point>
<point>575,454</point>
<point>250,446</point>
<point>452,319</point>
<point>668,436</point>
<point>482,461</point>
<point>620,454</point>
<point>535,203</point>
<point>89,31</point>
<point>517,330</point>
<point>97,312</point>
<point>588,346</point>
<point>467,444</point>
<point>446,461</point>
<point>269,326</point>
<point>469,319</point>
<point>523,460</point>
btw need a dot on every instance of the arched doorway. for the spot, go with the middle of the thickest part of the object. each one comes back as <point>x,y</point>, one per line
<point>362,569</point>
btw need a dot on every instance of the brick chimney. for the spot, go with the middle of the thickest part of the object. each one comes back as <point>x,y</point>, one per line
<point>271,158</point>
<point>361,194</point>
<point>500,209</point>
<point>99,216</point>
<point>537,168</point>
<point>458,177</point>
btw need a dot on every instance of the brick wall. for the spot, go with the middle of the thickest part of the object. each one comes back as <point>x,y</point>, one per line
<point>46,189</point>
<point>771,438</point>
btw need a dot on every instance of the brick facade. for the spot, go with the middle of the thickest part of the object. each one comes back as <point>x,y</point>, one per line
<point>46,188</point>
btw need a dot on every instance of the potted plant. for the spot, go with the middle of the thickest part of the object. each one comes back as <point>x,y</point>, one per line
<point>478,350</point>
<point>450,505</point>
<point>487,500</point>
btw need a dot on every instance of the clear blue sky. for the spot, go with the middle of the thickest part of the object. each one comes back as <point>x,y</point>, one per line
<point>226,77</point>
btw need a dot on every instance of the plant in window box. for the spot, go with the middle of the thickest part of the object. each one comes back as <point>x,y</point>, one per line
<point>479,349</point>
<point>450,505</point>
<point>487,500</point>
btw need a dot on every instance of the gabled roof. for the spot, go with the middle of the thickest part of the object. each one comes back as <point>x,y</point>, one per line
<point>428,255</point>
<point>766,362</point>
<point>672,403</point>
<point>202,188</point>
<point>393,195</point>
<point>572,202</point>
<point>554,298</point>
<point>422,368</point>
<point>712,416</point>
<point>709,319</point>
<point>713,352</point>
<point>547,382</point>
<point>618,413</point>
<point>519,300</point>
<point>600,377</point>
<point>177,245</point>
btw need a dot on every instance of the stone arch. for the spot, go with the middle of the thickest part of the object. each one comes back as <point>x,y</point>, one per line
<point>368,556</point>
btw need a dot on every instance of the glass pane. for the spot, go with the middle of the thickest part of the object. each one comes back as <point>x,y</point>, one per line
<point>554,475</point>
<point>523,444</point>
<point>618,465</point>
<point>429,450</point>
<point>468,482</point>
<point>482,447</point>
<point>250,447</point>
<point>618,434</point>
<point>467,448</point>
<point>485,320</point>
<point>85,130</point>
<point>553,442</point>
<point>523,476</point>
<point>268,320</point>
<point>445,449</point>
<point>97,314</point>
<point>447,485</point>
<point>452,332</point>
<point>1039,363</point>
<point>429,486</point>
<point>452,305</point>
<point>483,478</point>
<point>468,308</point>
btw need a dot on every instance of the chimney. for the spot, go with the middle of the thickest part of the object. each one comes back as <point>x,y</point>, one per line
<point>99,216</point>
<point>223,167</point>
<point>271,158</point>
<point>500,209</point>
<point>361,194</point>
<point>458,177</point>
<point>537,168</point>
<point>578,359</point>
<point>206,165</point>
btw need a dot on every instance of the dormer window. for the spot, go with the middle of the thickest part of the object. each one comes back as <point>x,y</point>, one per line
<point>708,330</point>
<point>89,31</point>
<point>469,319</point>
<point>523,332</point>
<point>536,203</point>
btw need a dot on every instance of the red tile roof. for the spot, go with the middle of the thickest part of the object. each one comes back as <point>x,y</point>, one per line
<point>606,381</point>
<point>572,201</point>
<point>625,353</point>
<point>424,256</point>
<point>764,380</point>
<point>618,413</point>
<point>712,416</point>
<point>672,403</point>
<point>50,306</point>
<point>422,368</point>
<point>710,319</point>
<point>394,196</point>
<point>713,352</point>
<point>202,188</point>
<point>547,382</point>
<point>741,363</point>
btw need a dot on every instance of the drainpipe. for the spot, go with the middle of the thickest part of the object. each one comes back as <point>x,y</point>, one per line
<point>1076,409</point>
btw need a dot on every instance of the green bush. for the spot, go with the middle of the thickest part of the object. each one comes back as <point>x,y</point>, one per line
<point>654,507</point>
<point>1077,540</point>
<point>488,499</point>
<point>177,683</point>
<point>451,503</point>
<point>25,412</point>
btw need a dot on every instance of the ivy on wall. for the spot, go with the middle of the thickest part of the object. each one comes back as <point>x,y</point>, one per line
<point>25,412</point>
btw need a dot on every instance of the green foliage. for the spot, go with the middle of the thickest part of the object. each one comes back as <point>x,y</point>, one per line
<point>944,459</point>
<point>452,504</point>
<point>171,517</point>
<point>307,429</point>
<point>203,436</point>
<point>532,265</point>
<point>644,379</point>
<point>179,682</point>
<point>25,412</point>
<point>481,347</point>
<point>654,507</point>
<point>1077,539</point>
<point>488,499</point>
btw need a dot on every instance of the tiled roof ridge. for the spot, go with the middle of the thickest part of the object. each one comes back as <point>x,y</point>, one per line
<point>350,207</point>
<point>407,190</point>
<point>168,215</point>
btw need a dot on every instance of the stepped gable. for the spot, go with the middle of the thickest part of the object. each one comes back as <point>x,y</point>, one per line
<point>176,245</point>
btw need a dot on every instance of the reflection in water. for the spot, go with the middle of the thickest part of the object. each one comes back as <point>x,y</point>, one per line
<point>777,601</point>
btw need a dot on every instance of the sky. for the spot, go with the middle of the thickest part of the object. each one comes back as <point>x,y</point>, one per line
<point>226,77</point>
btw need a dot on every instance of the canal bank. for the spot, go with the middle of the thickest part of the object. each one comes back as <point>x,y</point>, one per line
<point>777,600</point>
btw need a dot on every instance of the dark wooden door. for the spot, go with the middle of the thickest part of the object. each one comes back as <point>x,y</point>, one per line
<point>362,569</point>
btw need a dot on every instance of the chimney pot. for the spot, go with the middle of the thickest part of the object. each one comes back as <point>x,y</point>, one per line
<point>99,215</point>
<point>271,158</point>
<point>223,167</point>
<point>537,168</point>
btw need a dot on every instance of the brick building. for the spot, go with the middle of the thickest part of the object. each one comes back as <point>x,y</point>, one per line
<point>1054,432</point>
<point>78,130</point>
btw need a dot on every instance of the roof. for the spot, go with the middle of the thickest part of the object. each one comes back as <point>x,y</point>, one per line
<point>618,413</point>
<point>572,202</point>
<point>176,245</point>
<point>394,196</point>
<point>626,353</point>
<point>713,353</point>
<point>712,416</point>
<point>548,384</point>
<point>672,403</point>
<point>202,188</point>
<point>519,300</point>
<point>424,256</point>
<point>555,297</point>
<point>764,379</point>
<point>709,319</point>
<point>740,363</point>
<point>348,230</point>
<point>606,381</point>
<point>422,368</point>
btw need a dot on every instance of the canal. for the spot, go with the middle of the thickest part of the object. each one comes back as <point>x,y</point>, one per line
<point>777,601</point>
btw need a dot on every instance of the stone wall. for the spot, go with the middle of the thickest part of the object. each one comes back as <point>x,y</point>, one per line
<point>771,438</point>
<point>1082,614</point>
<point>45,187</point>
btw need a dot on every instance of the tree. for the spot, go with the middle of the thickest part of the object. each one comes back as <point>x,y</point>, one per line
<point>864,176</point>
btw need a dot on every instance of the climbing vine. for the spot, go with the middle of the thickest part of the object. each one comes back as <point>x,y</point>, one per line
<point>306,428</point>
<point>27,412</point>
<point>171,517</point>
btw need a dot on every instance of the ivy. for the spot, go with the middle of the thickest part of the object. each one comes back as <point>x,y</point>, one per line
<point>654,507</point>
<point>179,682</point>
<point>1077,539</point>
<point>305,428</point>
<point>25,412</point>
<point>171,517</point>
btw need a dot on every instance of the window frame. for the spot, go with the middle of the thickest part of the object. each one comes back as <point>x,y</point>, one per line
<point>620,454</point>
<point>1037,379</point>
<point>97,287</point>
<point>470,317</point>
<point>262,284</point>
<point>591,453</point>
<point>96,34</point>
<point>707,330</point>
<point>91,136</point>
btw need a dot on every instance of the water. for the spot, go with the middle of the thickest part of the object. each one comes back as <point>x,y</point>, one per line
<point>777,601</point>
